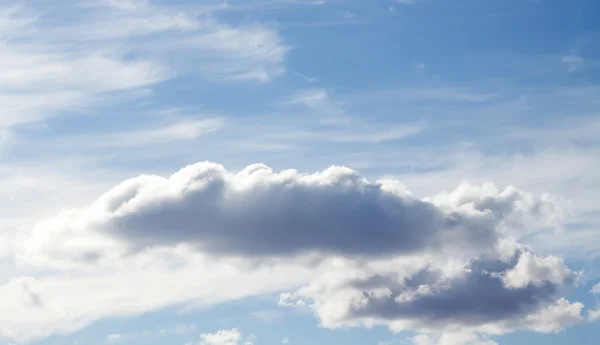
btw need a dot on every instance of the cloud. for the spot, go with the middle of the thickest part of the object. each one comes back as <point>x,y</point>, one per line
<point>428,295</point>
<point>577,63</point>
<point>178,329</point>
<point>533,270</point>
<point>72,301</point>
<point>338,125</point>
<point>149,135</point>
<point>460,338</point>
<point>268,315</point>
<point>355,252</point>
<point>429,95</point>
<point>261,213</point>
<point>112,338</point>
<point>226,337</point>
<point>56,66</point>
<point>594,314</point>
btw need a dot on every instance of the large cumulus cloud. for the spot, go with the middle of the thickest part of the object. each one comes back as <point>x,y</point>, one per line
<point>261,213</point>
<point>356,252</point>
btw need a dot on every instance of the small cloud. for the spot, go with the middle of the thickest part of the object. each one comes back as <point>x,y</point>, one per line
<point>307,2</point>
<point>223,337</point>
<point>285,340</point>
<point>577,63</point>
<point>114,337</point>
<point>594,315</point>
<point>420,67</point>
<point>348,15</point>
<point>267,315</point>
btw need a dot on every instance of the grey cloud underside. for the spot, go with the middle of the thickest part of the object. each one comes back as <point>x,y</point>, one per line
<point>289,213</point>
<point>474,299</point>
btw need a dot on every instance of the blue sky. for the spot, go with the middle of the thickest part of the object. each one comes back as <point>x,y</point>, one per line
<point>386,172</point>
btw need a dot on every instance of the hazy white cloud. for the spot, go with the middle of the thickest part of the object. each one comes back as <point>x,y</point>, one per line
<point>577,63</point>
<point>439,94</point>
<point>65,303</point>
<point>157,134</point>
<point>339,124</point>
<point>459,338</point>
<point>179,329</point>
<point>594,314</point>
<point>114,337</point>
<point>52,67</point>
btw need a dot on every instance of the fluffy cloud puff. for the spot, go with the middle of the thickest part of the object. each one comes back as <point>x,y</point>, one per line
<point>260,213</point>
<point>429,295</point>
<point>377,254</point>
<point>224,337</point>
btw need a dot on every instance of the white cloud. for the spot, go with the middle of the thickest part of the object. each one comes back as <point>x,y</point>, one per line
<point>258,231</point>
<point>555,317</point>
<point>435,294</point>
<point>594,314</point>
<point>178,329</point>
<point>577,63</point>
<point>114,337</point>
<point>268,315</point>
<point>67,303</point>
<point>531,269</point>
<point>53,67</point>
<point>224,337</point>
<point>460,338</point>
<point>439,94</point>
<point>184,130</point>
<point>285,340</point>
<point>339,125</point>
<point>276,222</point>
<point>561,169</point>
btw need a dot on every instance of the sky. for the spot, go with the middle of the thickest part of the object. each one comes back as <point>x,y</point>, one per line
<point>303,172</point>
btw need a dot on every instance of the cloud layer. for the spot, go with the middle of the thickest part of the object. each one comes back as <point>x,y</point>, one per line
<point>109,47</point>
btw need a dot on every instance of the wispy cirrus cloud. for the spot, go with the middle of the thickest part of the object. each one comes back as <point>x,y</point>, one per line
<point>55,67</point>
<point>333,122</point>
<point>143,136</point>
